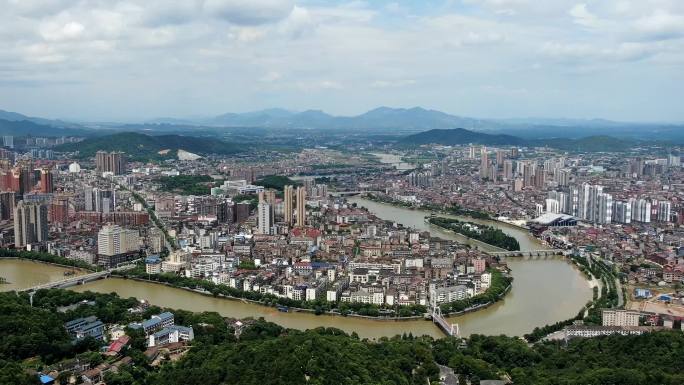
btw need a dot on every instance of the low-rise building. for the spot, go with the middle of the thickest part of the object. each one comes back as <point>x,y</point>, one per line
<point>171,334</point>
<point>155,323</point>
<point>153,264</point>
<point>85,327</point>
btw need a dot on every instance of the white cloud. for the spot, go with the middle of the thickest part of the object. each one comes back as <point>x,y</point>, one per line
<point>58,31</point>
<point>582,16</point>
<point>249,12</point>
<point>593,55</point>
<point>661,25</point>
<point>337,56</point>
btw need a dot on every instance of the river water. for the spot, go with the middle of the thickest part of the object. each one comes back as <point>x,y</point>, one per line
<point>544,291</point>
<point>22,274</point>
<point>394,160</point>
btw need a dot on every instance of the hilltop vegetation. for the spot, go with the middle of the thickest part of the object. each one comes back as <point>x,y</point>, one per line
<point>276,182</point>
<point>186,184</point>
<point>460,136</point>
<point>146,147</point>
<point>590,144</point>
<point>265,353</point>
<point>457,136</point>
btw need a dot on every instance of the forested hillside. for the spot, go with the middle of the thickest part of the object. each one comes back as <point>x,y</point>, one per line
<point>32,338</point>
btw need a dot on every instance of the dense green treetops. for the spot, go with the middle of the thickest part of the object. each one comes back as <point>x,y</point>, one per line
<point>187,184</point>
<point>147,147</point>
<point>277,182</point>
<point>483,233</point>
<point>265,353</point>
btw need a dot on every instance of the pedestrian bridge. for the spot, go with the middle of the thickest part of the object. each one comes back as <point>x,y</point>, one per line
<point>534,254</point>
<point>450,329</point>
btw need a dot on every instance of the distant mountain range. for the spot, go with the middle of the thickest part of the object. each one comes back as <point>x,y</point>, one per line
<point>460,136</point>
<point>33,128</point>
<point>17,117</point>
<point>142,147</point>
<point>384,120</point>
<point>419,119</point>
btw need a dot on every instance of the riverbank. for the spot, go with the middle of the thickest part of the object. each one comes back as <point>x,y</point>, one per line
<point>22,273</point>
<point>45,258</point>
<point>262,304</point>
<point>69,267</point>
<point>500,285</point>
<point>482,306</point>
<point>483,233</point>
<point>316,307</point>
<point>431,207</point>
<point>604,297</point>
<point>545,291</point>
<point>435,209</point>
<point>294,309</point>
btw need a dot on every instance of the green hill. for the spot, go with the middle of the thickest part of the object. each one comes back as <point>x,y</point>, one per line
<point>26,127</point>
<point>458,136</point>
<point>599,143</point>
<point>146,147</point>
<point>276,182</point>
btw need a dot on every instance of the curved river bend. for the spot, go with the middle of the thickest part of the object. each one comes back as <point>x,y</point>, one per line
<point>544,291</point>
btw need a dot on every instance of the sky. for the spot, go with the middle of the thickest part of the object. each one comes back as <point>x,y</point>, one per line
<point>136,60</point>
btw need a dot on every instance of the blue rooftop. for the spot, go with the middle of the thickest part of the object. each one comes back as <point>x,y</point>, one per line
<point>320,265</point>
<point>152,259</point>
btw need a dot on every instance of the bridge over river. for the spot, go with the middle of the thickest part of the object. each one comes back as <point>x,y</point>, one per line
<point>450,329</point>
<point>534,254</point>
<point>80,279</point>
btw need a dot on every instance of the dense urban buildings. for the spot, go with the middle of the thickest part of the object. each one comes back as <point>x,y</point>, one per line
<point>113,162</point>
<point>30,223</point>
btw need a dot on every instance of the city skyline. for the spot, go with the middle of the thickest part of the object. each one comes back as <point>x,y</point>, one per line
<point>131,60</point>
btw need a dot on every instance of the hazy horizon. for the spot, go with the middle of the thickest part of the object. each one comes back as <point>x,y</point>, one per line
<point>199,118</point>
<point>134,60</point>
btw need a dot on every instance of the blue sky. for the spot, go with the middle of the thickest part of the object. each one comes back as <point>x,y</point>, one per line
<point>131,59</point>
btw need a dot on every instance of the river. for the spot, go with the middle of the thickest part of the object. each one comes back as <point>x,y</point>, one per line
<point>394,160</point>
<point>544,291</point>
<point>22,274</point>
<point>416,219</point>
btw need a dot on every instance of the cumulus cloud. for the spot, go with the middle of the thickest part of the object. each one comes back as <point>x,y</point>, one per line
<point>58,31</point>
<point>216,55</point>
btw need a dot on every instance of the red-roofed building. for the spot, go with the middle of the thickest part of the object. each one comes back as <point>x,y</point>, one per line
<point>116,346</point>
<point>306,232</point>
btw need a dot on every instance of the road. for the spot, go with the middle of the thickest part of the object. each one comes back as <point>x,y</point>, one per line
<point>621,298</point>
